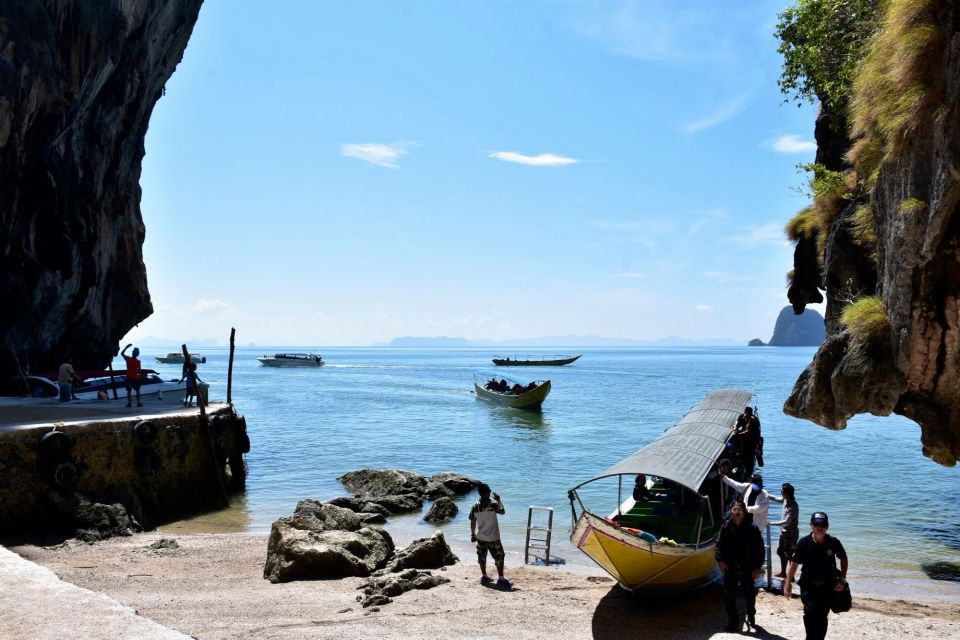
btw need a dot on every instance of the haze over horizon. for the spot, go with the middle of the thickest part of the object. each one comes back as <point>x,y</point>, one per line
<point>343,176</point>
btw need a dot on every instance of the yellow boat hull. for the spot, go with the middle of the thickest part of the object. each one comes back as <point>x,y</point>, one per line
<point>639,564</point>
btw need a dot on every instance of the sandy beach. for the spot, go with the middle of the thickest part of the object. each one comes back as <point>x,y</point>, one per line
<point>211,587</point>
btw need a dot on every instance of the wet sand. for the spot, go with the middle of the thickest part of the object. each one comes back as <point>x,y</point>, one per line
<point>212,587</point>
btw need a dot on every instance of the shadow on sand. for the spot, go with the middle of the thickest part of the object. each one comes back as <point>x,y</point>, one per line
<point>622,615</point>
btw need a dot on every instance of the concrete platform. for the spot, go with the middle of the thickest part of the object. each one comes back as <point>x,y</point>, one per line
<point>18,413</point>
<point>37,605</point>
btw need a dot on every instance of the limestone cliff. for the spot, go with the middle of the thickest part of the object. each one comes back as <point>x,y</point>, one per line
<point>889,254</point>
<point>796,330</point>
<point>78,82</point>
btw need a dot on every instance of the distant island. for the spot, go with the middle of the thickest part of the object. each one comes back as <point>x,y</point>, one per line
<point>557,341</point>
<point>804,330</point>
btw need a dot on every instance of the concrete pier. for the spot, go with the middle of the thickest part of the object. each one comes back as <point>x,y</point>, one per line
<point>161,462</point>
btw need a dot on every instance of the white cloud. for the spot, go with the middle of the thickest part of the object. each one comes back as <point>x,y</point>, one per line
<point>384,155</point>
<point>204,306</point>
<point>721,114</point>
<point>768,234</point>
<point>791,143</point>
<point>705,308</point>
<point>542,160</point>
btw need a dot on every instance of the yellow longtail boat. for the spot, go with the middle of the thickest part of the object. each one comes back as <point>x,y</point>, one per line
<point>666,539</point>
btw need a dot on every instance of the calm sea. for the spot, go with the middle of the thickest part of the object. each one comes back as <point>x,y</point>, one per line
<point>897,513</point>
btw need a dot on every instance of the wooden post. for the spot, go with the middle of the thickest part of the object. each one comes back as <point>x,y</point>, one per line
<point>233,333</point>
<point>207,432</point>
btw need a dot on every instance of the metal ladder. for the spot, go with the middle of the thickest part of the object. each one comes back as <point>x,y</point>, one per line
<point>538,538</point>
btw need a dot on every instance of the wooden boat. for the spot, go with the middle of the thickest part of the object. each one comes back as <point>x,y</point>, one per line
<point>176,357</point>
<point>667,541</point>
<point>531,398</point>
<point>291,360</point>
<point>550,361</point>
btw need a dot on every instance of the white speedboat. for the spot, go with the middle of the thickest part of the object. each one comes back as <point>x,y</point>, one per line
<point>176,357</point>
<point>291,360</point>
<point>98,385</point>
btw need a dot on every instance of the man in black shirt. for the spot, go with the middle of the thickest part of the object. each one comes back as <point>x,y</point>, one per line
<point>740,556</point>
<point>818,553</point>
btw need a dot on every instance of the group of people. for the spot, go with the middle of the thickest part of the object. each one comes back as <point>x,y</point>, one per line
<point>740,548</point>
<point>502,386</point>
<point>67,376</point>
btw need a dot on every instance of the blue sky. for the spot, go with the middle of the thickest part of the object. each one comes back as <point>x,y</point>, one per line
<point>341,173</point>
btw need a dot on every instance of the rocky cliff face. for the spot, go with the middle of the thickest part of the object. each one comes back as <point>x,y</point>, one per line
<point>78,82</point>
<point>912,366</point>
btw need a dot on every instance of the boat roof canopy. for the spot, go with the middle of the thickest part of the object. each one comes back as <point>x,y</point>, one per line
<point>687,451</point>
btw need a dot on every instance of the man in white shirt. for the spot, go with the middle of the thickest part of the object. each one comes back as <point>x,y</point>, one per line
<point>65,378</point>
<point>485,531</point>
<point>755,497</point>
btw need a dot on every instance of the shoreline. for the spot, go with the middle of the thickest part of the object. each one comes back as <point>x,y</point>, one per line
<point>212,586</point>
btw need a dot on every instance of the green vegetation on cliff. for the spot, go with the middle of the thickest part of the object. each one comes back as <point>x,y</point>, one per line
<point>866,319</point>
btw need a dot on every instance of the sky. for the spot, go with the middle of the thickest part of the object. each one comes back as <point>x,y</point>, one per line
<point>342,173</point>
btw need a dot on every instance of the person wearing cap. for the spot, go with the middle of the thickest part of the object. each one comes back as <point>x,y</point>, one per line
<point>818,553</point>
<point>740,555</point>
<point>754,496</point>
<point>789,527</point>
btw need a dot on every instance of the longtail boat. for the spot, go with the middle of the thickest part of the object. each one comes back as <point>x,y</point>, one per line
<point>518,396</point>
<point>529,361</point>
<point>666,540</point>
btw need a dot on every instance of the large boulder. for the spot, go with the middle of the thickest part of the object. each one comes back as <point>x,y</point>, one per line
<point>380,591</point>
<point>328,516</point>
<point>425,553</point>
<point>383,482</point>
<point>442,510</point>
<point>449,483</point>
<point>301,549</point>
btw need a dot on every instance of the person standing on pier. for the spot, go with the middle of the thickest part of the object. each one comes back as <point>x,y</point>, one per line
<point>789,529</point>
<point>133,372</point>
<point>485,531</point>
<point>818,553</point>
<point>66,376</point>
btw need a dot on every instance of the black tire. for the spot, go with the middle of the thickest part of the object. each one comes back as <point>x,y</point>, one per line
<point>55,446</point>
<point>240,433</point>
<point>145,432</point>
<point>147,462</point>
<point>65,476</point>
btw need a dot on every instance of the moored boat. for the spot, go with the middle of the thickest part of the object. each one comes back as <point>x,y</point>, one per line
<point>666,539</point>
<point>176,357</point>
<point>291,360</point>
<point>99,385</point>
<point>512,394</point>
<point>531,361</point>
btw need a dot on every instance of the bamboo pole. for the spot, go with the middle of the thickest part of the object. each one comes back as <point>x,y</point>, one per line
<point>233,333</point>
<point>207,432</point>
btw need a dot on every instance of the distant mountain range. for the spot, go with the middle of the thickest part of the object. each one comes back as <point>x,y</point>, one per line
<point>557,341</point>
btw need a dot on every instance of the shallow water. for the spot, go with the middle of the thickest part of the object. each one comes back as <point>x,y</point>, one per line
<point>894,510</point>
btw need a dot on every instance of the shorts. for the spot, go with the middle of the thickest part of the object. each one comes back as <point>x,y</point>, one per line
<point>787,545</point>
<point>495,549</point>
<point>133,384</point>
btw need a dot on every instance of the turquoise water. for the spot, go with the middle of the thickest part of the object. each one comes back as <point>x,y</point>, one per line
<point>414,409</point>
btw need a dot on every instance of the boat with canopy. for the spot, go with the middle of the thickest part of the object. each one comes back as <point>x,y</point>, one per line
<point>666,539</point>
<point>291,360</point>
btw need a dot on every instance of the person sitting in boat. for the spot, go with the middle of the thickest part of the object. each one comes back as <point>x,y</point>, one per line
<point>503,387</point>
<point>640,490</point>
<point>516,389</point>
<point>491,385</point>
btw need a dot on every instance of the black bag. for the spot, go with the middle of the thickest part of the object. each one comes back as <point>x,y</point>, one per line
<point>841,601</point>
<point>760,452</point>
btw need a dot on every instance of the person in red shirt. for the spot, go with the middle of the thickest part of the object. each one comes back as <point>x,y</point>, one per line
<point>133,372</point>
